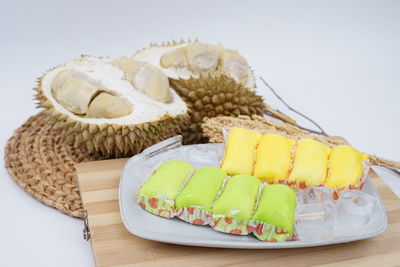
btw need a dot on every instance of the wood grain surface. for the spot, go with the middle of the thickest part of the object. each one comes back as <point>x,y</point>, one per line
<point>113,245</point>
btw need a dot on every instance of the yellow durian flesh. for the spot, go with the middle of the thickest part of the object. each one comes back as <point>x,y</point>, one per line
<point>234,65</point>
<point>109,106</point>
<point>345,166</point>
<point>145,78</point>
<point>175,59</point>
<point>85,97</point>
<point>196,57</point>
<point>202,57</point>
<point>152,82</point>
<point>74,90</point>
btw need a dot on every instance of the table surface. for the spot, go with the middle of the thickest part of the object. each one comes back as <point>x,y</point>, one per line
<point>336,61</point>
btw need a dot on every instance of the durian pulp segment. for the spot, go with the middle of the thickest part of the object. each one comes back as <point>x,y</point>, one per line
<point>175,59</point>
<point>145,77</point>
<point>234,65</point>
<point>203,57</point>
<point>64,89</point>
<point>112,78</point>
<point>105,105</point>
<point>153,55</point>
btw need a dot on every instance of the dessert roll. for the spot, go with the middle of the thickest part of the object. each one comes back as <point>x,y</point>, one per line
<point>193,204</point>
<point>273,219</point>
<point>310,164</point>
<point>346,169</point>
<point>157,195</point>
<point>232,211</point>
<point>273,159</point>
<point>240,151</point>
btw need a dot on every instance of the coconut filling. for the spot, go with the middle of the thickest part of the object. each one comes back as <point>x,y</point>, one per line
<point>94,91</point>
<point>186,60</point>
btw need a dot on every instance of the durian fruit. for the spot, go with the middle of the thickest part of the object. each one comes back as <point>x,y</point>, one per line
<point>212,80</point>
<point>213,96</point>
<point>182,60</point>
<point>116,107</point>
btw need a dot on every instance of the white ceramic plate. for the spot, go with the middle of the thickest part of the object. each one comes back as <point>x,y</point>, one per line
<point>146,225</point>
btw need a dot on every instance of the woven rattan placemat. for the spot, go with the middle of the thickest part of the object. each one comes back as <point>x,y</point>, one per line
<point>44,166</point>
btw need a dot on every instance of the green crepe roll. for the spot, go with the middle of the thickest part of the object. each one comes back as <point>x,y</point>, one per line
<point>232,211</point>
<point>157,195</point>
<point>193,204</point>
<point>273,219</point>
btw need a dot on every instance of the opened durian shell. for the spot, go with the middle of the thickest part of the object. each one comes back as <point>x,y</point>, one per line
<point>111,116</point>
<point>186,59</point>
<point>207,85</point>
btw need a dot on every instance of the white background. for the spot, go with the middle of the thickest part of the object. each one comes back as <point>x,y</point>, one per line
<point>336,61</point>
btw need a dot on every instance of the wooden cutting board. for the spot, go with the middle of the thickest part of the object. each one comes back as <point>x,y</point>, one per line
<point>113,245</point>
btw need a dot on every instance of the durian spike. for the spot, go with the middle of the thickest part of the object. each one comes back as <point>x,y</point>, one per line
<point>215,94</point>
<point>171,43</point>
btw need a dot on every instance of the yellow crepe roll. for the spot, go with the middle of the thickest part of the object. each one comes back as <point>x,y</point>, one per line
<point>240,151</point>
<point>274,155</point>
<point>345,166</point>
<point>310,163</point>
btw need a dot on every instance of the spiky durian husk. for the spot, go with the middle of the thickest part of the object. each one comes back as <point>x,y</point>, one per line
<point>215,95</point>
<point>112,140</point>
<point>167,44</point>
<point>174,43</point>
